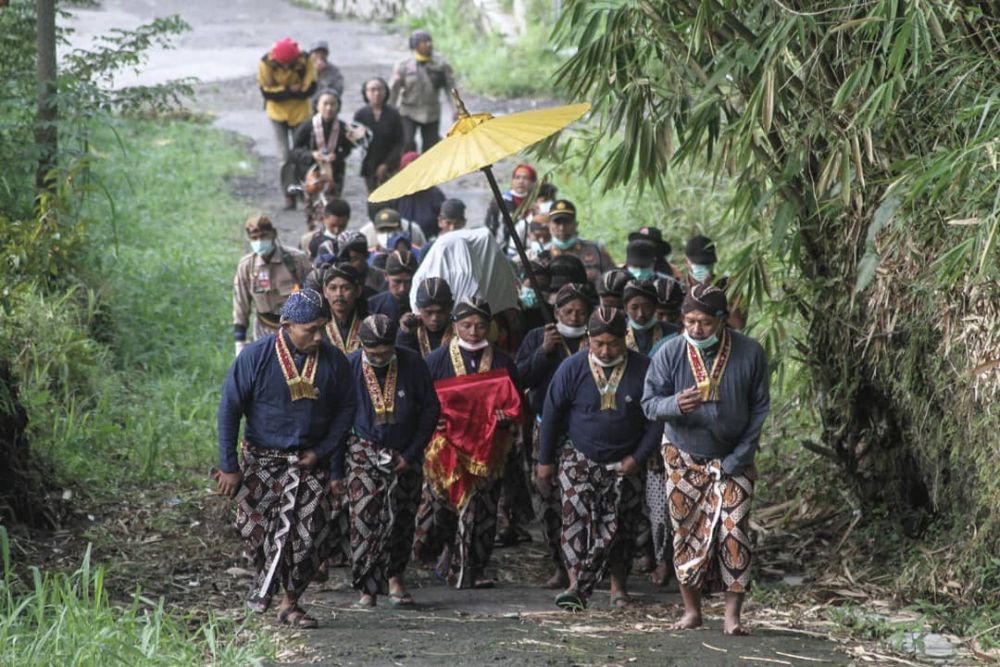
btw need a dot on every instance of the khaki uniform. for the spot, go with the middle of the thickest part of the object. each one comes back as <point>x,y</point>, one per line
<point>415,88</point>
<point>595,258</point>
<point>264,284</point>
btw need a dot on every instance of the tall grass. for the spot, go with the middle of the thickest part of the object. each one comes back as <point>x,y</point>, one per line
<point>69,620</point>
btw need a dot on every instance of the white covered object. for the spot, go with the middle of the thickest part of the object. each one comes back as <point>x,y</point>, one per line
<point>471,262</point>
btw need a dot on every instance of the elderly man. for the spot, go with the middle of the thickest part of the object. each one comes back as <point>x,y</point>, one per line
<point>415,89</point>
<point>594,431</point>
<point>264,279</point>
<point>562,222</point>
<point>397,415</point>
<point>400,266</point>
<point>432,328</point>
<point>296,394</point>
<point>710,386</point>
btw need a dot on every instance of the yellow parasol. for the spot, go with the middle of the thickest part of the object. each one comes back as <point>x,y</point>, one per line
<point>474,143</point>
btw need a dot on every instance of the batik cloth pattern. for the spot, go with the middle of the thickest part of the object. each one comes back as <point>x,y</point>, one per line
<point>548,508</point>
<point>434,517</point>
<point>599,510</point>
<point>475,531</point>
<point>282,513</point>
<point>656,508</point>
<point>710,514</point>
<point>383,508</point>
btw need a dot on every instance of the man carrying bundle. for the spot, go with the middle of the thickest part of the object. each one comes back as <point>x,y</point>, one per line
<point>296,393</point>
<point>595,434</point>
<point>711,388</point>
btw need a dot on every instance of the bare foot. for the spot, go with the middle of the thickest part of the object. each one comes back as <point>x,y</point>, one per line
<point>660,575</point>
<point>559,579</point>
<point>687,622</point>
<point>365,602</point>
<point>735,629</point>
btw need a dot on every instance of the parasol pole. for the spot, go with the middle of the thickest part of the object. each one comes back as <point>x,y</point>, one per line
<point>461,111</point>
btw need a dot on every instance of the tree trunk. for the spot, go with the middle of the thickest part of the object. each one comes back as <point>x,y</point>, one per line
<point>46,135</point>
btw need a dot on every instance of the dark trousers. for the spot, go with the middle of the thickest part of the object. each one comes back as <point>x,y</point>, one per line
<point>429,134</point>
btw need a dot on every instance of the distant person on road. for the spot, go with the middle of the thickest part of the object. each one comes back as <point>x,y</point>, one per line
<point>323,241</point>
<point>264,279</point>
<point>328,75</point>
<point>522,182</point>
<point>385,148</point>
<point>415,89</point>
<point>324,143</point>
<point>296,394</point>
<point>710,387</point>
<point>287,80</point>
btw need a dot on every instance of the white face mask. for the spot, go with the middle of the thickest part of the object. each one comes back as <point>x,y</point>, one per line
<point>473,347</point>
<point>610,364</point>
<point>570,332</point>
<point>367,360</point>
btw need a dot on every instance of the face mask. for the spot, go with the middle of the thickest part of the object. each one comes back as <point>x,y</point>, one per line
<point>564,245</point>
<point>641,272</point>
<point>702,344</point>
<point>371,363</point>
<point>643,327</point>
<point>570,332</point>
<point>701,271</point>
<point>529,298</point>
<point>537,247</point>
<point>473,347</point>
<point>609,364</point>
<point>262,246</point>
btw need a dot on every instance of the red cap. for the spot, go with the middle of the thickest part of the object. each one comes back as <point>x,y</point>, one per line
<point>285,51</point>
<point>408,158</point>
<point>528,168</point>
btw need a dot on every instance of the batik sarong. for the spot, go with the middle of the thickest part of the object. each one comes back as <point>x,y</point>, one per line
<point>656,507</point>
<point>383,508</point>
<point>432,524</point>
<point>710,514</point>
<point>548,508</point>
<point>475,531</point>
<point>515,497</point>
<point>598,519</point>
<point>282,513</point>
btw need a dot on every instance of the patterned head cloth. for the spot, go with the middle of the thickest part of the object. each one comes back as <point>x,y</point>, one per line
<point>634,288</point>
<point>669,293</point>
<point>342,270</point>
<point>573,291</point>
<point>377,330</point>
<point>472,305</point>
<point>613,282</point>
<point>399,262</point>
<point>303,307</point>
<point>351,239</point>
<point>607,320</point>
<point>434,292</point>
<point>708,299</point>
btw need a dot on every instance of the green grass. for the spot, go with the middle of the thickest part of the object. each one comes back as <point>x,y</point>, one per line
<point>483,61</point>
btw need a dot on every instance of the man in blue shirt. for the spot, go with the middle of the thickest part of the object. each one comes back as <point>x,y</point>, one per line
<point>400,265</point>
<point>295,392</point>
<point>397,415</point>
<point>710,387</point>
<point>594,432</point>
<point>432,328</point>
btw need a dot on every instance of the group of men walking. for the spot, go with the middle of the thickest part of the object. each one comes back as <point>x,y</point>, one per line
<point>374,434</point>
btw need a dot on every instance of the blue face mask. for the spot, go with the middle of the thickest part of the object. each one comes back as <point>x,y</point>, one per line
<point>641,272</point>
<point>529,297</point>
<point>702,344</point>
<point>643,327</point>
<point>701,271</point>
<point>564,245</point>
<point>262,246</point>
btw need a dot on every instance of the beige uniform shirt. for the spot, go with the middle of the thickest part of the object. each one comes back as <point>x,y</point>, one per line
<point>594,256</point>
<point>262,285</point>
<point>416,88</point>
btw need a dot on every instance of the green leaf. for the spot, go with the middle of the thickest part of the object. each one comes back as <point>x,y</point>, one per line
<point>866,270</point>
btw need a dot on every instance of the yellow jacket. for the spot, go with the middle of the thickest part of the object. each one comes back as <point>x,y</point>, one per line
<point>284,105</point>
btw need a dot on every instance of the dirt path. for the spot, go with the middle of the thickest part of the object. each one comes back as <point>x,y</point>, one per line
<point>516,623</point>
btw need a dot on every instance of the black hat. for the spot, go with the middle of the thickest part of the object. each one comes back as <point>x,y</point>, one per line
<point>636,288</point>
<point>400,261</point>
<point>377,330</point>
<point>453,209</point>
<point>700,250</point>
<point>640,252</point>
<point>669,293</point>
<point>613,282</point>
<point>566,269</point>
<point>471,305</point>
<point>562,208</point>
<point>572,291</point>
<point>656,236</point>
<point>351,239</point>
<point>709,299</point>
<point>434,292</point>
<point>338,207</point>
<point>607,320</point>
<point>343,270</point>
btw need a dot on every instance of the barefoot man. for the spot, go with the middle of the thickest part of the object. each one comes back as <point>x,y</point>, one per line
<point>710,386</point>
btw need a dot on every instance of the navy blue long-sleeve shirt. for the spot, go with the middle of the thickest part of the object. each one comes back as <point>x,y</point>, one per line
<point>255,389</point>
<point>439,362</point>
<point>645,338</point>
<point>573,409</point>
<point>536,367</point>
<point>416,411</point>
<point>728,429</point>
<point>410,340</point>
<point>386,304</point>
